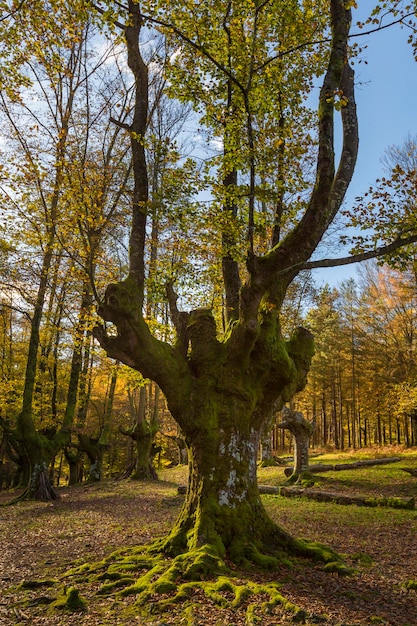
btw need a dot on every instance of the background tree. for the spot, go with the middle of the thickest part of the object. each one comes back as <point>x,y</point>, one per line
<point>59,67</point>
<point>55,210</point>
<point>365,345</point>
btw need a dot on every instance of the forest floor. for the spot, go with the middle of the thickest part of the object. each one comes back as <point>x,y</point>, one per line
<point>43,540</point>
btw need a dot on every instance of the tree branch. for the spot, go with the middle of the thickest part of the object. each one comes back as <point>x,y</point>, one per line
<point>327,195</point>
<point>179,318</point>
<point>320,42</point>
<point>198,47</point>
<point>137,135</point>
<point>363,256</point>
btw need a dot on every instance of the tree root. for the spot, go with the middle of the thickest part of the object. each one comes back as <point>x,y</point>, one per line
<point>22,496</point>
<point>160,583</point>
<point>164,584</point>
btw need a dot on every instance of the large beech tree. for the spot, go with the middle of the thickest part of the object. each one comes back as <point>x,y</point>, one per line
<point>243,62</point>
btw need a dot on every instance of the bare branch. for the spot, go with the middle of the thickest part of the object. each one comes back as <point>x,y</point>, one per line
<point>398,243</point>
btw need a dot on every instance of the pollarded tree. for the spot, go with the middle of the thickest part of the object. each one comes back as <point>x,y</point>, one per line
<point>240,59</point>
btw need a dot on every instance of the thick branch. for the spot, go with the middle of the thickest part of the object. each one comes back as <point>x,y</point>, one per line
<point>288,363</point>
<point>137,134</point>
<point>135,346</point>
<point>179,319</point>
<point>363,256</point>
<point>329,188</point>
<point>297,247</point>
<point>230,266</point>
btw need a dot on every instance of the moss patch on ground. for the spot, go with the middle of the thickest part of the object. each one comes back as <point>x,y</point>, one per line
<point>90,522</point>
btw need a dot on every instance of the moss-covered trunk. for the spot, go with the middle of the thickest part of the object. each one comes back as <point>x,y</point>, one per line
<point>94,452</point>
<point>222,511</point>
<point>143,468</point>
<point>301,430</point>
<point>143,433</point>
<point>39,453</point>
<point>74,459</point>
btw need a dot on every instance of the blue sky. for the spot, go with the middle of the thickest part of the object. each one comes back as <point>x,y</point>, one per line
<point>386,97</point>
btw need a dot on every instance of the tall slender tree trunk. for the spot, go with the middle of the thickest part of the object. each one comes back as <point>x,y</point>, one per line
<point>38,449</point>
<point>96,448</point>
<point>73,454</point>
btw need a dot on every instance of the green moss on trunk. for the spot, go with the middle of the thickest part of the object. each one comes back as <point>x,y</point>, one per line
<point>227,391</point>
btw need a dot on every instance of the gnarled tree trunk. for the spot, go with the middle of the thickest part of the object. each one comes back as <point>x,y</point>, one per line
<point>223,510</point>
<point>220,401</point>
<point>221,387</point>
<point>301,430</point>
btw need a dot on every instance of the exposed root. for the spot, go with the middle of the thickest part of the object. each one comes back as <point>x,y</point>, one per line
<point>304,479</point>
<point>160,582</point>
<point>70,601</point>
<point>38,488</point>
<point>164,584</point>
<point>19,498</point>
<point>41,487</point>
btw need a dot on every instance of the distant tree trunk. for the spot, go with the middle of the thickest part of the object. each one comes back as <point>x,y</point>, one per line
<point>142,433</point>
<point>390,435</point>
<point>301,430</point>
<point>94,452</point>
<point>398,431</point>
<point>406,420</point>
<point>267,457</point>
<point>379,437</point>
<point>143,436</point>
<point>75,391</point>
<point>324,418</point>
<point>74,456</point>
<point>96,448</point>
<point>39,450</point>
<point>413,418</point>
<point>335,425</point>
<point>182,451</point>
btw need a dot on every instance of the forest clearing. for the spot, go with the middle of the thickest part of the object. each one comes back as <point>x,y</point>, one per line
<point>172,176</point>
<point>43,541</point>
